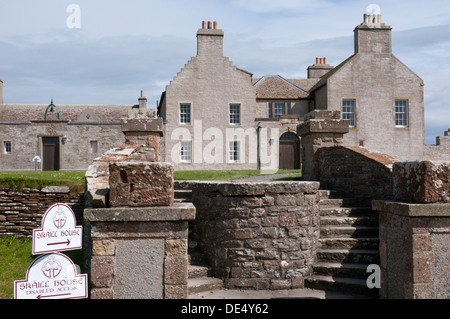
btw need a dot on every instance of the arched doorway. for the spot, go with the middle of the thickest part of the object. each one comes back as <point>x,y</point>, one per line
<point>289,151</point>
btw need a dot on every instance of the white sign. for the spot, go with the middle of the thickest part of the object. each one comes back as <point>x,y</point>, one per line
<point>58,231</point>
<point>37,159</point>
<point>52,276</point>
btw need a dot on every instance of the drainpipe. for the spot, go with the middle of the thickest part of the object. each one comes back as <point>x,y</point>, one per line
<point>258,134</point>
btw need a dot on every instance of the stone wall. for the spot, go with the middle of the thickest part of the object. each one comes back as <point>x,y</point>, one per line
<point>21,211</point>
<point>355,172</point>
<point>258,235</point>
<point>414,237</point>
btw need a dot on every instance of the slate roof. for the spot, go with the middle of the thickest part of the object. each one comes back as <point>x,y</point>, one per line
<point>276,87</point>
<point>71,113</point>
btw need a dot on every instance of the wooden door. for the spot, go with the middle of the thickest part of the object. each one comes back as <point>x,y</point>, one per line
<point>50,152</point>
<point>289,152</point>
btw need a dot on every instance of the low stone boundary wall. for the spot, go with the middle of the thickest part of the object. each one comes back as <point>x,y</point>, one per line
<point>355,172</point>
<point>21,211</point>
<point>258,235</point>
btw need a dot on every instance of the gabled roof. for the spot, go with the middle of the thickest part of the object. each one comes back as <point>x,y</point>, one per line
<point>276,87</point>
<point>323,79</point>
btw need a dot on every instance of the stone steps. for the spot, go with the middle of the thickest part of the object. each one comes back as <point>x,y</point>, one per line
<point>348,232</point>
<point>348,244</point>
<point>199,275</point>
<point>197,285</point>
<point>365,221</point>
<point>364,256</point>
<point>354,285</point>
<point>347,212</point>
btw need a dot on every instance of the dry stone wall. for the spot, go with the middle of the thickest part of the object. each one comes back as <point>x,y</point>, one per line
<point>258,235</point>
<point>21,211</point>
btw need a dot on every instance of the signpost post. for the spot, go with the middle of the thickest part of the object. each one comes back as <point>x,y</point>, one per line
<point>54,275</point>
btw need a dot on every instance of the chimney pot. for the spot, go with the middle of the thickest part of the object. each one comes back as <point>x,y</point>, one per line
<point>203,24</point>
<point>324,60</point>
<point>209,25</point>
<point>215,25</point>
<point>317,60</point>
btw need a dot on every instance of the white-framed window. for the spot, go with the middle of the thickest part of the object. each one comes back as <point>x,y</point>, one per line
<point>7,147</point>
<point>349,111</point>
<point>235,114</point>
<point>401,113</point>
<point>94,147</point>
<point>185,113</point>
<point>186,152</point>
<point>235,152</point>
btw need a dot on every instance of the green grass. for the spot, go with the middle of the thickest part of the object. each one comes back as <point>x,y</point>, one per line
<point>16,257</point>
<point>19,180</point>
<point>224,175</point>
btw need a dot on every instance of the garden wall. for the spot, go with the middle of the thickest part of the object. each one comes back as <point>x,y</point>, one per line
<point>258,235</point>
<point>356,173</point>
<point>21,211</point>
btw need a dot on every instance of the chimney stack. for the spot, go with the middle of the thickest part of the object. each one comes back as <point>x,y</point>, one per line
<point>210,40</point>
<point>319,69</point>
<point>142,101</point>
<point>366,42</point>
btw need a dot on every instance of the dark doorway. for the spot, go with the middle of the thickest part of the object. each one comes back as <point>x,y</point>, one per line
<point>50,152</point>
<point>289,151</point>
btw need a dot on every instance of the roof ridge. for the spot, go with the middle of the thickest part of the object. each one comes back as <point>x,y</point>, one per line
<point>281,78</point>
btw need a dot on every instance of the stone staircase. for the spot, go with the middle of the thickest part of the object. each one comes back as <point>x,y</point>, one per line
<point>199,274</point>
<point>200,279</point>
<point>348,245</point>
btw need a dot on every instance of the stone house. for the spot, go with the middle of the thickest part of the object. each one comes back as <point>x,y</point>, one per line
<point>380,96</point>
<point>64,137</point>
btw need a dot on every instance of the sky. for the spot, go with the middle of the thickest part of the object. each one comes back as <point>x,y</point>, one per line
<point>107,51</point>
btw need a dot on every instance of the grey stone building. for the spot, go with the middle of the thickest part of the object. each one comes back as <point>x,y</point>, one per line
<point>64,137</point>
<point>381,97</point>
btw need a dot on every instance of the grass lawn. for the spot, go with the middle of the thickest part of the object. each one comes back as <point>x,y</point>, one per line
<point>15,257</point>
<point>18,180</point>
<point>224,175</point>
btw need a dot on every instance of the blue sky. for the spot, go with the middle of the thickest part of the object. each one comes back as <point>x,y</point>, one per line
<point>123,47</point>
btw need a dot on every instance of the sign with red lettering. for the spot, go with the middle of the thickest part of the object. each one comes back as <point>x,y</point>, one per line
<point>58,231</point>
<point>52,276</point>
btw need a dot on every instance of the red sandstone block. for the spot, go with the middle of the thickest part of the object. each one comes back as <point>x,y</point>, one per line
<point>422,182</point>
<point>141,184</point>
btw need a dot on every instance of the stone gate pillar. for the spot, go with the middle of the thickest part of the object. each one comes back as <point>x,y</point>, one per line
<point>320,129</point>
<point>137,236</point>
<point>415,233</point>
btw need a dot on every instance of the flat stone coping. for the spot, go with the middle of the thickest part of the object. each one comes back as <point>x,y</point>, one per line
<point>412,210</point>
<point>177,212</point>
<point>257,188</point>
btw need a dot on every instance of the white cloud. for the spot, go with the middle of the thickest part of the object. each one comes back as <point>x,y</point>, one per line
<point>287,6</point>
